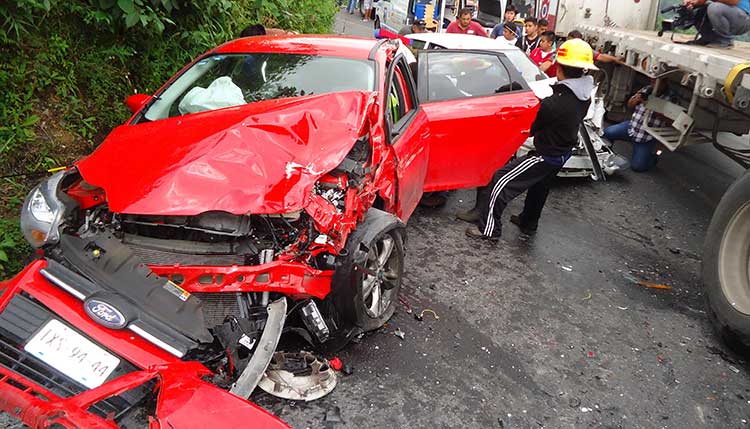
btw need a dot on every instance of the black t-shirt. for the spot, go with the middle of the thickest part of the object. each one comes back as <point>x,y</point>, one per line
<point>527,45</point>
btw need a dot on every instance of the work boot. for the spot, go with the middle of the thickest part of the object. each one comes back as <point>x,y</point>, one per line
<point>474,232</point>
<point>471,216</point>
<point>516,220</point>
<point>712,40</point>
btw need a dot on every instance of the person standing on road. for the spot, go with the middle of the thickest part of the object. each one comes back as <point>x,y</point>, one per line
<point>510,16</point>
<point>555,132</point>
<point>352,5</point>
<point>543,25</point>
<point>598,56</point>
<point>367,6</point>
<point>464,24</point>
<point>544,55</point>
<point>509,33</point>
<point>418,26</point>
<point>719,21</point>
<point>530,41</point>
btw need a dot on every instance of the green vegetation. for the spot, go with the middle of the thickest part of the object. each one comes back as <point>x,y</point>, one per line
<point>69,64</point>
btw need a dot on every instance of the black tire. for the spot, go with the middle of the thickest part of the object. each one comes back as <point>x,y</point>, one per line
<point>354,298</point>
<point>726,277</point>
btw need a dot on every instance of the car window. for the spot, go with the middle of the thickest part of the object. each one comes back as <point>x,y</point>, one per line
<point>401,81</point>
<point>453,75</point>
<point>401,97</point>
<point>220,81</point>
<point>398,101</point>
<point>526,67</point>
<point>418,44</point>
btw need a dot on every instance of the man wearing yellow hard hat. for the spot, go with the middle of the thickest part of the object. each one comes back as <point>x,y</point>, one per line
<point>555,132</point>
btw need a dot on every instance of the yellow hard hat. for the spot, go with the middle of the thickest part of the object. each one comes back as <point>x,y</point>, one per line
<point>576,53</point>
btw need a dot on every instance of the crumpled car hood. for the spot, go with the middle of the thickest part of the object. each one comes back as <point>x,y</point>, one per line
<point>260,158</point>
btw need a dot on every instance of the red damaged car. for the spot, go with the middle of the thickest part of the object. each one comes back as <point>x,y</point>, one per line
<point>262,190</point>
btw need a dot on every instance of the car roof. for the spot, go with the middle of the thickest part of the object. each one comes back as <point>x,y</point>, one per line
<point>463,41</point>
<point>333,46</point>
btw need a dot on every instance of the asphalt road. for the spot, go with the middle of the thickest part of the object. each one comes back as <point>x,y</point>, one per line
<point>550,331</point>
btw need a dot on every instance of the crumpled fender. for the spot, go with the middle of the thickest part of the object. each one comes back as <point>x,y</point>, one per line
<point>184,399</point>
<point>191,403</point>
<point>261,158</point>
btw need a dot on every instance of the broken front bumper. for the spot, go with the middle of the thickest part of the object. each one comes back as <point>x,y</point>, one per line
<point>41,397</point>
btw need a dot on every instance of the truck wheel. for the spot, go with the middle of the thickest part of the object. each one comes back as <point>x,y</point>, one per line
<point>366,285</point>
<point>726,264</point>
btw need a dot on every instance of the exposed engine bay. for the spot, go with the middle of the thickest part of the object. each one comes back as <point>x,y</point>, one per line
<point>107,257</point>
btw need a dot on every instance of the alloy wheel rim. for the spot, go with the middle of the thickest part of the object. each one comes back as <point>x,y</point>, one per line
<point>382,277</point>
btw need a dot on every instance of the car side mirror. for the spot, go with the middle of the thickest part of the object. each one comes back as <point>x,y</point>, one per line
<point>135,102</point>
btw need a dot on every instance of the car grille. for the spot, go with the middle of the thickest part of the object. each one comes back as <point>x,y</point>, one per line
<point>160,257</point>
<point>18,322</point>
<point>216,306</point>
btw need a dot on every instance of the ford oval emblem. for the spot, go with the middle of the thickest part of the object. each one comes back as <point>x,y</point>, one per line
<point>105,314</point>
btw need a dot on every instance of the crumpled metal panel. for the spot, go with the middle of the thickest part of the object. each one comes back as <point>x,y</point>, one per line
<point>259,158</point>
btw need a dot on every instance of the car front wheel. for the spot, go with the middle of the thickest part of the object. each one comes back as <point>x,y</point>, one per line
<point>367,284</point>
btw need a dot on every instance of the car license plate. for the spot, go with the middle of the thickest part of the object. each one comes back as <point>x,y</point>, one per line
<point>72,354</point>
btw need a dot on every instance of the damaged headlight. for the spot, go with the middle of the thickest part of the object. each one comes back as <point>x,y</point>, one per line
<point>42,213</point>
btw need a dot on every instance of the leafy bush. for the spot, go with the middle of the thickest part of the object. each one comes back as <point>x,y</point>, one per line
<point>68,64</point>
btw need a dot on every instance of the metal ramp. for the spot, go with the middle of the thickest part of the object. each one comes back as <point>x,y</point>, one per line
<point>673,138</point>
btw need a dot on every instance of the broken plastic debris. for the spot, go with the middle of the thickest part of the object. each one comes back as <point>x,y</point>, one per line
<point>655,285</point>
<point>622,308</point>
<point>587,297</point>
<point>399,333</point>
<point>298,376</point>
<point>332,418</point>
<point>586,410</point>
<point>734,369</point>
<point>629,277</point>
<point>566,268</point>
<point>420,317</point>
<point>336,363</point>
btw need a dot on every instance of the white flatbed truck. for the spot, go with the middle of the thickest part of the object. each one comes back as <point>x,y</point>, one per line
<point>710,104</point>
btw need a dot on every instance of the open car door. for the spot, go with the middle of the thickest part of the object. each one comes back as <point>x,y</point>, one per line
<point>479,110</point>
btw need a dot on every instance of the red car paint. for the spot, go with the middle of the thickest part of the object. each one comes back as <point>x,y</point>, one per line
<point>259,158</point>
<point>491,128</point>
<point>290,278</point>
<point>182,393</point>
<point>263,158</point>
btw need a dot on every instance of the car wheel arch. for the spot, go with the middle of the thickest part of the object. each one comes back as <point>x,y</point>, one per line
<point>375,223</point>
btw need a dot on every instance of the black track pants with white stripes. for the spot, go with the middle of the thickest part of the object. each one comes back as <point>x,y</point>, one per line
<point>528,172</point>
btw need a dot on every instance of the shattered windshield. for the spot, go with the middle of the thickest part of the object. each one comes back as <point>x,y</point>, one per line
<point>222,81</point>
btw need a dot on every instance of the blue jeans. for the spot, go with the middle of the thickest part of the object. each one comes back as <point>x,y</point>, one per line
<point>643,158</point>
<point>725,21</point>
<point>352,6</point>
